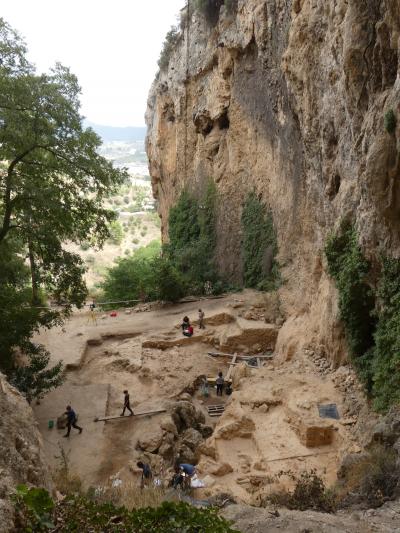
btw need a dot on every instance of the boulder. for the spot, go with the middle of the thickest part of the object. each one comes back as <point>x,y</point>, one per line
<point>221,470</point>
<point>187,455</point>
<point>167,424</point>
<point>206,431</point>
<point>151,440</point>
<point>192,438</point>
<point>167,451</point>
<point>185,415</point>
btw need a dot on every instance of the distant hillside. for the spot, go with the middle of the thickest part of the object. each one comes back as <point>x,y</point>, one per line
<point>110,133</point>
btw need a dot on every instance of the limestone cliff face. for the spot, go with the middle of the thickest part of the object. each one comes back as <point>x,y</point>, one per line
<point>287,98</point>
<point>21,451</point>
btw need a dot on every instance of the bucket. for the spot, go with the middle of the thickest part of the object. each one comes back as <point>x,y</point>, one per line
<point>51,424</point>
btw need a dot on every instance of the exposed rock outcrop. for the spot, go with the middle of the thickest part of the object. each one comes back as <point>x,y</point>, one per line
<point>21,452</point>
<point>287,98</point>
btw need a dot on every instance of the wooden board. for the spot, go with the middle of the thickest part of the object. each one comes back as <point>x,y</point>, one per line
<point>244,357</point>
<point>215,410</point>
<point>231,364</point>
<point>105,419</point>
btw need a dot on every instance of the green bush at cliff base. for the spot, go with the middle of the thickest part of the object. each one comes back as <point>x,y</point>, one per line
<point>78,514</point>
<point>259,246</point>
<point>192,240</point>
<point>145,275</point>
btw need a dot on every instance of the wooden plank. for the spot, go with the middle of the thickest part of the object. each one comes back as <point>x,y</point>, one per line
<point>105,419</point>
<point>245,357</point>
<point>258,362</point>
<point>215,414</point>
<point>228,375</point>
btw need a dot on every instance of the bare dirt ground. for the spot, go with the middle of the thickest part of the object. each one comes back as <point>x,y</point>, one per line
<point>271,421</point>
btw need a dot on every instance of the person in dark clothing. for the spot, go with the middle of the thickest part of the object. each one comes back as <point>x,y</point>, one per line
<point>71,420</point>
<point>185,323</point>
<point>220,383</point>
<point>127,404</point>
<point>147,474</point>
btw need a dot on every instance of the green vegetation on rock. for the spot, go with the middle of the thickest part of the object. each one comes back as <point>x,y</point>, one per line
<point>171,39</point>
<point>192,240</point>
<point>349,268</point>
<point>36,511</point>
<point>390,121</point>
<point>371,318</point>
<point>385,365</point>
<point>259,246</point>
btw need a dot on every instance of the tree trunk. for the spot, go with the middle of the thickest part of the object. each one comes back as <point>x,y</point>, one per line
<point>34,278</point>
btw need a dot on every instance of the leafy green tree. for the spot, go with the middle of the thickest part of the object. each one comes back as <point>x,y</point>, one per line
<point>52,186</point>
<point>116,232</point>
<point>145,275</point>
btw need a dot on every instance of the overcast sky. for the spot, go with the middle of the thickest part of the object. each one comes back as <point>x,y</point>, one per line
<point>111,45</point>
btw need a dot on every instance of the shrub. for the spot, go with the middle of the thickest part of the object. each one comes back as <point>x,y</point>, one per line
<point>372,479</point>
<point>171,39</point>
<point>390,121</point>
<point>85,245</point>
<point>144,275</point>
<point>116,232</point>
<point>126,199</point>
<point>34,509</point>
<point>143,233</point>
<point>78,513</point>
<point>135,241</point>
<point>309,493</point>
<point>259,246</point>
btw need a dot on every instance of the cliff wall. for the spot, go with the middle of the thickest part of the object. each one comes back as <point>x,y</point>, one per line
<point>287,98</point>
<point>21,451</point>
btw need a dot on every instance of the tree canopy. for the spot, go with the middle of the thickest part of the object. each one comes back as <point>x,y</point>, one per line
<point>52,186</point>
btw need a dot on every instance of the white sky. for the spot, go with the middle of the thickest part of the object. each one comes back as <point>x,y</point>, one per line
<point>111,45</point>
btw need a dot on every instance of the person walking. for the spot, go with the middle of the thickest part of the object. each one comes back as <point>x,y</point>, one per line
<point>201,319</point>
<point>71,420</point>
<point>147,474</point>
<point>220,383</point>
<point>127,404</point>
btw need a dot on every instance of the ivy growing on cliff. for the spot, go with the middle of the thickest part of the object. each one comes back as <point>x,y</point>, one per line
<point>386,354</point>
<point>371,317</point>
<point>349,268</point>
<point>259,246</point>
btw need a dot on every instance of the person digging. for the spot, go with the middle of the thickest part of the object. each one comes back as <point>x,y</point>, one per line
<point>71,420</point>
<point>127,404</point>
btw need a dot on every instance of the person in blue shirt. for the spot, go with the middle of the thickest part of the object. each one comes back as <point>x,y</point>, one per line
<point>187,469</point>
<point>71,420</point>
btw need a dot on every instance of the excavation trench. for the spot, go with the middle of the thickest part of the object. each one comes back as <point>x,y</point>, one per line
<point>269,423</point>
